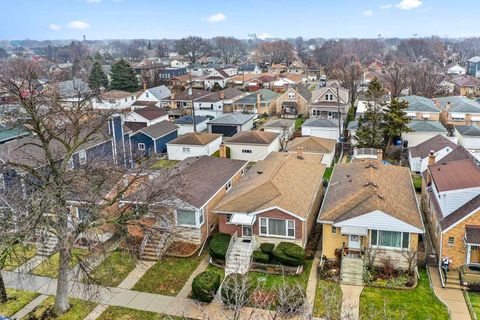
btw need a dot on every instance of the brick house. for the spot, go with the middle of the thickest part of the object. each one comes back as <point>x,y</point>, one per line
<point>451,202</point>
<point>276,201</point>
<point>294,102</point>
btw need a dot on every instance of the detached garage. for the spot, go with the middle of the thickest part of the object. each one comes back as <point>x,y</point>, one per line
<point>322,128</point>
<point>468,136</point>
<point>230,124</point>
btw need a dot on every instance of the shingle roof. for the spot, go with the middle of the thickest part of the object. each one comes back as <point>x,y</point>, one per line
<point>454,175</point>
<point>228,93</point>
<point>8,133</point>
<point>435,143</point>
<point>253,137</point>
<point>247,67</point>
<point>318,93</point>
<point>358,188</point>
<point>460,153</point>
<point>199,139</point>
<point>419,104</point>
<point>473,131</point>
<point>145,103</point>
<point>281,180</point>
<point>116,94</point>
<point>323,123</point>
<point>472,233</point>
<point>265,96</point>
<point>151,112</point>
<point>312,145</point>
<point>426,126</point>
<point>160,92</point>
<point>279,123</point>
<point>352,125</point>
<point>188,119</point>
<point>234,118</point>
<point>466,81</point>
<point>159,129</point>
<point>459,104</point>
<point>184,96</point>
<point>474,59</point>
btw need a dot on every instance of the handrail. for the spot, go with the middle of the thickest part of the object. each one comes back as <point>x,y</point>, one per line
<point>160,245</point>
<point>144,242</point>
<point>230,246</point>
<point>440,271</point>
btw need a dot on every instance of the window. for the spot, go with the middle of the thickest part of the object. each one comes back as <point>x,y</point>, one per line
<point>373,238</point>
<point>82,155</point>
<point>133,98</point>
<point>291,95</point>
<point>334,229</point>
<point>451,241</point>
<point>70,164</point>
<point>83,214</point>
<point>229,218</point>
<point>141,146</point>
<point>329,97</point>
<point>186,150</point>
<point>2,182</point>
<point>200,217</point>
<point>277,227</point>
<point>228,186</point>
<point>246,151</point>
<point>186,218</point>
<point>390,239</point>
<point>146,94</point>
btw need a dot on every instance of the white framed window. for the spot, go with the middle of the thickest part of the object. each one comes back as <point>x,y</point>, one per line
<point>146,94</point>
<point>82,156</point>
<point>334,229</point>
<point>70,164</point>
<point>246,151</point>
<point>451,241</point>
<point>277,228</point>
<point>2,182</point>
<point>201,217</point>
<point>186,150</point>
<point>329,97</point>
<point>291,95</point>
<point>389,239</point>
<point>141,146</point>
<point>228,186</point>
<point>186,218</point>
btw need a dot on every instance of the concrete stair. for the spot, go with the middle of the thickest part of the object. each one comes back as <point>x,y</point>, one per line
<point>239,258</point>
<point>47,245</point>
<point>453,280</point>
<point>149,252</point>
<point>352,271</point>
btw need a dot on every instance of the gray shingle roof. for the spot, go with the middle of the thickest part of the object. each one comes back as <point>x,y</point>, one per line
<point>265,96</point>
<point>459,104</point>
<point>473,131</point>
<point>189,119</point>
<point>352,125</point>
<point>435,143</point>
<point>324,123</point>
<point>160,92</point>
<point>232,118</point>
<point>419,104</point>
<point>427,126</point>
<point>159,129</point>
<point>474,59</point>
<point>279,123</point>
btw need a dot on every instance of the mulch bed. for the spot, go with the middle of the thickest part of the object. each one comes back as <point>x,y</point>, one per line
<point>182,249</point>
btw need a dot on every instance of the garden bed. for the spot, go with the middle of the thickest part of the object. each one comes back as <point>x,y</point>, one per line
<point>278,269</point>
<point>182,249</point>
<point>398,280</point>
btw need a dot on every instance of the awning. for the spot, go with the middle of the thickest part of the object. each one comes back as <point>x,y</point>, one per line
<point>242,219</point>
<point>472,235</point>
<point>356,231</point>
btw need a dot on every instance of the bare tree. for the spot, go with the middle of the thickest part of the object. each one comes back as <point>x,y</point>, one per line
<point>193,47</point>
<point>275,52</point>
<point>349,72</point>
<point>396,79</point>
<point>425,79</point>
<point>230,49</point>
<point>416,49</point>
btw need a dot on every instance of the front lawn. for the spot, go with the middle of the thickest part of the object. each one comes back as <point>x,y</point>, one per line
<point>168,275</point>
<point>164,164</point>
<point>418,303</point>
<point>17,299</point>
<point>121,313</point>
<point>79,309</point>
<point>328,300</point>
<point>328,173</point>
<point>474,298</point>
<point>270,281</point>
<point>113,269</point>
<point>49,267</point>
<point>417,182</point>
<point>19,255</point>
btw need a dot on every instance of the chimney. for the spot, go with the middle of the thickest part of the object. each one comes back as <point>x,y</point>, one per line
<point>223,150</point>
<point>222,95</point>
<point>431,158</point>
<point>379,154</point>
<point>300,153</point>
<point>173,105</point>
<point>144,86</point>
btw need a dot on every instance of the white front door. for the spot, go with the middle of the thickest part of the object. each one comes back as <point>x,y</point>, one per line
<point>247,231</point>
<point>354,242</point>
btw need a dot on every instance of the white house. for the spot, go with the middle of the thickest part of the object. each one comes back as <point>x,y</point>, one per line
<point>115,99</point>
<point>249,69</point>
<point>253,145</point>
<point>193,145</point>
<point>468,136</point>
<point>423,130</point>
<point>147,115</point>
<point>284,127</point>
<point>155,94</point>
<point>322,128</point>
<point>179,62</point>
<point>212,105</point>
<point>418,155</point>
<point>455,68</point>
<point>185,124</point>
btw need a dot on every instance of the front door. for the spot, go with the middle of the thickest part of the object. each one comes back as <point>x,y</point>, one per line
<point>354,242</point>
<point>247,231</point>
<point>474,254</point>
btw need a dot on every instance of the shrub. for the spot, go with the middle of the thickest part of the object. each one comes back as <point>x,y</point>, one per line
<point>289,254</point>
<point>205,285</point>
<point>290,300</point>
<point>236,290</point>
<point>267,248</point>
<point>219,245</point>
<point>259,256</point>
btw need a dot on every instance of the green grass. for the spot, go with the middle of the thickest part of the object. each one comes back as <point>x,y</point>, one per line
<point>49,268</point>
<point>474,298</point>
<point>270,281</point>
<point>419,303</point>
<point>164,164</point>
<point>116,267</point>
<point>17,299</point>
<point>417,182</point>
<point>328,300</point>
<point>168,275</point>
<point>79,309</point>
<point>19,255</point>
<point>121,313</point>
<point>298,123</point>
<point>328,173</point>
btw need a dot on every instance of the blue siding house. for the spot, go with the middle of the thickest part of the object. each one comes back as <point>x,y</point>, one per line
<point>473,67</point>
<point>152,140</point>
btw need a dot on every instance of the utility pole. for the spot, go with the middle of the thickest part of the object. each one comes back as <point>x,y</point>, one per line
<point>190,93</point>
<point>339,116</point>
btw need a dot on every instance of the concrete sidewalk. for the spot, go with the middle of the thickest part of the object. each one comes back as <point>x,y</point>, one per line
<point>29,307</point>
<point>140,269</point>
<point>452,298</point>
<point>351,301</point>
<point>312,281</point>
<point>188,285</point>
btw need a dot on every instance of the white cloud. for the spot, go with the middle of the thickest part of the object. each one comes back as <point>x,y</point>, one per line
<point>79,25</point>
<point>218,17</point>
<point>367,13</point>
<point>386,6</point>
<point>54,27</point>
<point>409,4</point>
<point>264,36</point>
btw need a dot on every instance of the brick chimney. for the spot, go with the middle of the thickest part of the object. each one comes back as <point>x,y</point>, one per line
<point>222,95</point>
<point>300,153</point>
<point>144,86</point>
<point>431,158</point>
<point>223,150</point>
<point>259,100</point>
<point>379,154</point>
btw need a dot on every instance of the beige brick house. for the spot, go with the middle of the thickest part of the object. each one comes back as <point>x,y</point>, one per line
<point>294,102</point>
<point>277,200</point>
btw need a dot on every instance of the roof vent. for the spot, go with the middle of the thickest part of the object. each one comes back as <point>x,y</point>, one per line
<point>259,172</point>
<point>380,197</point>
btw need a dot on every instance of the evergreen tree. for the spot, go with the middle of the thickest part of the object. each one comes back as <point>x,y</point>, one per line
<point>97,79</point>
<point>123,77</point>
<point>369,133</point>
<point>395,120</point>
<point>149,46</point>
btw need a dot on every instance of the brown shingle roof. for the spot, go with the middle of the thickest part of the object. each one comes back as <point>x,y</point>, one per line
<point>253,137</point>
<point>281,180</point>
<point>192,138</point>
<point>458,214</point>
<point>151,112</point>
<point>435,143</point>
<point>313,144</point>
<point>116,94</point>
<point>358,188</point>
<point>159,129</point>
<point>472,234</point>
<point>454,175</point>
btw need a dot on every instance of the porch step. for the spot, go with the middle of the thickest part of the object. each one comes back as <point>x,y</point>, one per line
<point>149,252</point>
<point>352,271</point>
<point>47,245</point>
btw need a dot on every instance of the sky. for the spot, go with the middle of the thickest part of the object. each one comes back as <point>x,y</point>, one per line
<point>156,19</point>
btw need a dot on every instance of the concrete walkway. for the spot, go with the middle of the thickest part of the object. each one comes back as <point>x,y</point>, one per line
<point>351,301</point>
<point>188,285</point>
<point>312,281</point>
<point>31,264</point>
<point>452,298</point>
<point>140,269</point>
<point>30,306</point>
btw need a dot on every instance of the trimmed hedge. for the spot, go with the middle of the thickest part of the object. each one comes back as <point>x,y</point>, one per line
<point>259,256</point>
<point>205,285</point>
<point>219,245</point>
<point>267,248</point>
<point>289,254</point>
<point>234,289</point>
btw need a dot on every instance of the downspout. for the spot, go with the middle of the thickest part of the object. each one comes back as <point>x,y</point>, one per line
<point>206,238</point>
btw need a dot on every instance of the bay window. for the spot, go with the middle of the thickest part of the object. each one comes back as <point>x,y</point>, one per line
<point>389,239</point>
<point>277,227</point>
<point>189,218</point>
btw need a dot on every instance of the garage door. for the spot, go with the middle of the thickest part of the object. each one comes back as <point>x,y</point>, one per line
<point>322,133</point>
<point>227,131</point>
